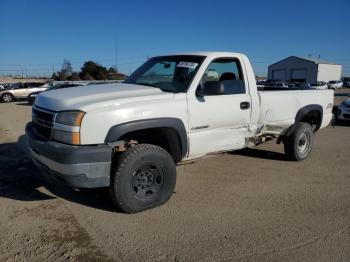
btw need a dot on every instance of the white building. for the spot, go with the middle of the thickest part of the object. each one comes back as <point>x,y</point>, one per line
<point>302,69</point>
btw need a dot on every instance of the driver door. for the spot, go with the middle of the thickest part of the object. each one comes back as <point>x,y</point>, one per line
<point>220,122</point>
<point>21,90</point>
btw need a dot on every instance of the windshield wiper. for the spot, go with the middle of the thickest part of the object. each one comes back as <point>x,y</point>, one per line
<point>167,90</point>
<point>145,84</point>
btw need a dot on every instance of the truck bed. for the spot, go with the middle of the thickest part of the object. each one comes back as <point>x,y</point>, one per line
<point>278,109</point>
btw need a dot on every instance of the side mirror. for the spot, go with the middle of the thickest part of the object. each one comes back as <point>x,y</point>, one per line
<point>199,91</point>
<point>213,88</point>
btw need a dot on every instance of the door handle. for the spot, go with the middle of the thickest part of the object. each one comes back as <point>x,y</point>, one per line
<point>245,105</point>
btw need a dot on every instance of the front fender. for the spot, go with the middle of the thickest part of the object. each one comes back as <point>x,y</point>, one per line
<point>117,131</point>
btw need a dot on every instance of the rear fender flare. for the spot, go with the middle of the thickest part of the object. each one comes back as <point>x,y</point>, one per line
<point>302,113</point>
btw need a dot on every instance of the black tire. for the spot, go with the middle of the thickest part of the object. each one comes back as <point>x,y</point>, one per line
<point>7,98</point>
<point>298,145</point>
<point>143,178</point>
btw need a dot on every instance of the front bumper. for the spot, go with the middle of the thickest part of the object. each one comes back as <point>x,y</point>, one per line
<point>78,166</point>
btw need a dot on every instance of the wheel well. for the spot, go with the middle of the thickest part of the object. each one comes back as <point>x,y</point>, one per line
<point>164,137</point>
<point>314,118</point>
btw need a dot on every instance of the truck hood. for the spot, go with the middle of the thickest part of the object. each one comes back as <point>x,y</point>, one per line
<point>94,96</point>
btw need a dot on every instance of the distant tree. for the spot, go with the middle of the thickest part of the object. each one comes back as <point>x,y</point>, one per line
<point>74,77</point>
<point>87,77</point>
<point>112,70</point>
<point>54,76</point>
<point>66,70</point>
<point>91,69</point>
<point>113,74</point>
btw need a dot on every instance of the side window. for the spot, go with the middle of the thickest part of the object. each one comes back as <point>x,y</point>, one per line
<point>20,86</point>
<point>224,74</point>
<point>36,85</point>
<point>31,85</point>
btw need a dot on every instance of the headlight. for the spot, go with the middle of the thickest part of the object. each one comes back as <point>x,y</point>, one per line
<point>67,127</point>
<point>70,118</point>
<point>72,138</point>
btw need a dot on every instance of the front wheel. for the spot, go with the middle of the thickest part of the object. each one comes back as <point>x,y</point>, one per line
<point>7,98</point>
<point>298,145</point>
<point>144,177</point>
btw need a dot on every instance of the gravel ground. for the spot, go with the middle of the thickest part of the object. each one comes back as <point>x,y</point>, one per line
<point>250,205</point>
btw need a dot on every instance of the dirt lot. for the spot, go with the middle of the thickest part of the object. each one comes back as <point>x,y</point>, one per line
<point>250,205</point>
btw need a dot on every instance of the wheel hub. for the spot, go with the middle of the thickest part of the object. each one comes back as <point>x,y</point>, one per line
<point>146,181</point>
<point>7,98</point>
<point>303,143</point>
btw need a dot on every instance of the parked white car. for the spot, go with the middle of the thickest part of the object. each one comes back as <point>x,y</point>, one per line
<point>21,91</point>
<point>343,112</point>
<point>319,85</point>
<point>335,84</point>
<point>130,136</point>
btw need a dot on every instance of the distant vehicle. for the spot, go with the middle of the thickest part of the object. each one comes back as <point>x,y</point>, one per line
<point>32,96</point>
<point>2,86</point>
<point>335,84</point>
<point>272,85</point>
<point>8,85</point>
<point>212,73</point>
<point>278,84</point>
<point>346,81</point>
<point>305,85</point>
<point>21,91</point>
<point>343,112</point>
<point>319,85</point>
<point>269,82</point>
<point>260,84</point>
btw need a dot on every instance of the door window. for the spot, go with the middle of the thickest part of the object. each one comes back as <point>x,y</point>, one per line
<point>225,74</point>
<point>34,85</point>
<point>20,86</point>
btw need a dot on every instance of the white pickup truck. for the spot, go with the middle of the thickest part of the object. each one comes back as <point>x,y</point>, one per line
<point>130,136</point>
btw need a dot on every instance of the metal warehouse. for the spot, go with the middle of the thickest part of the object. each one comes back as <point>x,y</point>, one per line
<point>302,69</point>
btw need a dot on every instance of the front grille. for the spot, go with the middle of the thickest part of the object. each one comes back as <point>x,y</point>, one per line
<point>43,122</point>
<point>346,115</point>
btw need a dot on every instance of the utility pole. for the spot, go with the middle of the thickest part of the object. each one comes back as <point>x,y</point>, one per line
<point>116,55</point>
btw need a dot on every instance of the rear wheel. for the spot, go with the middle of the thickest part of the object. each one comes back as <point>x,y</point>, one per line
<point>7,98</point>
<point>298,145</point>
<point>144,177</point>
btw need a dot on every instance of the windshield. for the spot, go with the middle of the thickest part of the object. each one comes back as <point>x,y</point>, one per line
<point>168,73</point>
<point>13,86</point>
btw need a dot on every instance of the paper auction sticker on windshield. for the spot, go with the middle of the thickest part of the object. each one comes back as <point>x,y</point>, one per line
<point>187,64</point>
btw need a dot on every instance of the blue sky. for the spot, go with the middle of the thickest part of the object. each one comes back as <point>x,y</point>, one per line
<point>37,35</point>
